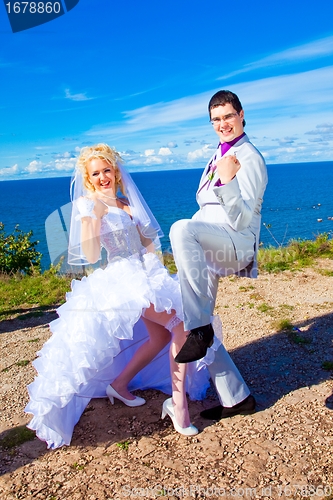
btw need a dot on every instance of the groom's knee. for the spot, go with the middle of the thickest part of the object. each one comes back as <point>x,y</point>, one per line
<point>178,230</point>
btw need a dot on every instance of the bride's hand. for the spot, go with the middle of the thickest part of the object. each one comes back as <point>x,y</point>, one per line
<point>99,209</point>
<point>90,208</point>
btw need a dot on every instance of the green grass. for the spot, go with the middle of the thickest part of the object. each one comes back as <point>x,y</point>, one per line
<point>286,307</point>
<point>256,296</point>
<point>78,466</point>
<point>28,296</point>
<point>19,292</point>
<point>327,365</point>
<point>124,445</point>
<point>325,272</point>
<point>294,334</point>
<point>169,263</point>
<point>17,436</point>
<point>297,255</point>
<point>298,339</point>
<point>23,362</point>
<point>283,325</point>
<point>246,288</point>
<point>264,308</point>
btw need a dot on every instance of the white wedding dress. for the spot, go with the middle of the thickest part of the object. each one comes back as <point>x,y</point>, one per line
<point>99,329</point>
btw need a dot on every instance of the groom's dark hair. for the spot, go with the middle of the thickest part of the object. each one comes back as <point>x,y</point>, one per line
<point>223,97</point>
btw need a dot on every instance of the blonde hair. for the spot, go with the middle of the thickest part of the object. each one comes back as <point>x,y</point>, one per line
<point>103,152</point>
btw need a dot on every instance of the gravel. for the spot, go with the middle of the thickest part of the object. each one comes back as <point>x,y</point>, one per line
<point>284,450</point>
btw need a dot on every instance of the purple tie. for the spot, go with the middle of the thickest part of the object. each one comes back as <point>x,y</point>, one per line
<point>225,146</point>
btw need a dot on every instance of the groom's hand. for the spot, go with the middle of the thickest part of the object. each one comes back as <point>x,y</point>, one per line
<point>227,168</point>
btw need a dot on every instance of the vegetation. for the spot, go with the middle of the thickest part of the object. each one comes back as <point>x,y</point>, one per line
<point>124,445</point>
<point>23,362</point>
<point>27,292</point>
<point>327,365</point>
<point>295,335</point>
<point>78,466</point>
<point>283,325</point>
<point>264,308</point>
<point>19,292</point>
<point>169,262</point>
<point>18,252</point>
<point>17,436</point>
<point>298,254</point>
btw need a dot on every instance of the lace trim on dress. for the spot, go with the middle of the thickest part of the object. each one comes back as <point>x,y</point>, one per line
<point>172,323</point>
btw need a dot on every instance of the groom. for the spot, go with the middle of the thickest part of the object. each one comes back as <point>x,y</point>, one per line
<point>222,238</point>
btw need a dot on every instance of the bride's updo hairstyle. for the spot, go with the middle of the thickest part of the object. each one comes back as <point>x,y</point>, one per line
<point>103,152</point>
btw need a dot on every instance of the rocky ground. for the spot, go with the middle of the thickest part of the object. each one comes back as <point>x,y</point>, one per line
<point>284,450</point>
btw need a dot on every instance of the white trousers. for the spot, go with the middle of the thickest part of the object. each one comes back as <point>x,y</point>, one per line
<point>203,252</point>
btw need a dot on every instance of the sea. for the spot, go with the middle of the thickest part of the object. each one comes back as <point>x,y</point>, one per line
<point>298,204</point>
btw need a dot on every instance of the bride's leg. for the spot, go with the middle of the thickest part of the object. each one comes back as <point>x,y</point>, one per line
<point>178,374</point>
<point>159,337</point>
<point>178,371</point>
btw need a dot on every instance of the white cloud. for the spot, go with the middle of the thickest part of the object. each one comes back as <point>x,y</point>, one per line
<point>278,108</point>
<point>294,93</point>
<point>77,97</point>
<point>149,152</point>
<point>288,92</point>
<point>313,50</point>
<point>158,115</point>
<point>172,144</point>
<point>66,154</point>
<point>61,162</point>
<point>153,160</point>
<point>287,140</point>
<point>34,166</point>
<point>203,153</point>
<point>322,132</point>
<point>7,171</point>
<point>65,165</point>
<point>165,152</point>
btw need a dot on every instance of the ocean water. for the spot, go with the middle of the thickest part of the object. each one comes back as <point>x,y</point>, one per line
<point>297,196</point>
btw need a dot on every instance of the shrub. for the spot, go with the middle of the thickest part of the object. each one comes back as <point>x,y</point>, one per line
<point>18,252</point>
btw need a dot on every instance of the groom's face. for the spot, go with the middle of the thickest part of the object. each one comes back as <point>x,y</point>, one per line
<point>228,124</point>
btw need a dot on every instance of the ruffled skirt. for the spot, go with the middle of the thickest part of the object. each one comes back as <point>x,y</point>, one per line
<point>95,336</point>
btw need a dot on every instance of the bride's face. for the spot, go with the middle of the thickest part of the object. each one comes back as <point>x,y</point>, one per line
<point>101,175</point>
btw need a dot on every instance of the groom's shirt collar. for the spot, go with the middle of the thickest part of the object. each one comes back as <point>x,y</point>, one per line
<point>225,146</point>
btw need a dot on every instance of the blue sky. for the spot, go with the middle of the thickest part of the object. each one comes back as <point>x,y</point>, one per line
<point>139,75</point>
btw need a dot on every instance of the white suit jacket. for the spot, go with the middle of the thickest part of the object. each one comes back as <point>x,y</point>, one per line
<point>237,205</point>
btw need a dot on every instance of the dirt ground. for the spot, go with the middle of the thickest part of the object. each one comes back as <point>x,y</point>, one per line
<point>284,450</point>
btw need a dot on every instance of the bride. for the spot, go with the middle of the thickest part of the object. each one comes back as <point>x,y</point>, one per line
<point>114,332</point>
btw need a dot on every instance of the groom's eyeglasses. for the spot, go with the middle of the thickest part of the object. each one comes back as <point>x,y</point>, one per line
<point>216,122</point>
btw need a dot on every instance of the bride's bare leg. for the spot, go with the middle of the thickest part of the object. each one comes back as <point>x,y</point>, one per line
<point>178,374</point>
<point>159,337</point>
<point>178,371</point>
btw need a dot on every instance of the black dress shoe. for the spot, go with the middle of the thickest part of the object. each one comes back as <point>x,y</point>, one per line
<point>196,345</point>
<point>245,407</point>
